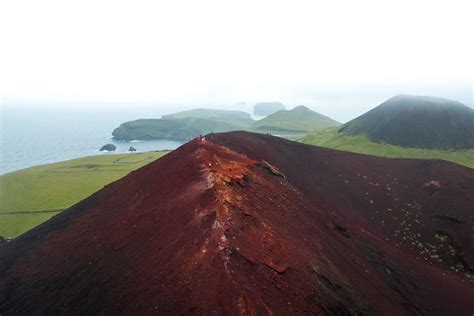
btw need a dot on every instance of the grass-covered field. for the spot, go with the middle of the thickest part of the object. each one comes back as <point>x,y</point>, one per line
<point>31,196</point>
<point>361,144</point>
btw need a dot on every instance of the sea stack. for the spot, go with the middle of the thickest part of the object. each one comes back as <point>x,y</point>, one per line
<point>108,147</point>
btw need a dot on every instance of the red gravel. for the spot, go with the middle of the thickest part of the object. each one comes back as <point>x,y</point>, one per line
<point>242,223</point>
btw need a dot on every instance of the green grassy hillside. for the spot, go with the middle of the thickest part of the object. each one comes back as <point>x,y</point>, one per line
<point>417,121</point>
<point>31,196</point>
<point>299,120</point>
<point>186,125</point>
<point>361,144</point>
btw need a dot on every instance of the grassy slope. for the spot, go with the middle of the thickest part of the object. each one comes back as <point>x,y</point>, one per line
<point>417,121</point>
<point>238,118</point>
<point>47,189</point>
<point>361,144</point>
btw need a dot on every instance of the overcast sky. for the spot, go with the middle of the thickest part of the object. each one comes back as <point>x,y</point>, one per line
<point>222,52</point>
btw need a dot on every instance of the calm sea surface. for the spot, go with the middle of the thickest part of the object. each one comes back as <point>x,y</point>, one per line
<point>31,136</point>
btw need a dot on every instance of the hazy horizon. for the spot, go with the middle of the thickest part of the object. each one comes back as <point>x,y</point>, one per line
<point>339,103</point>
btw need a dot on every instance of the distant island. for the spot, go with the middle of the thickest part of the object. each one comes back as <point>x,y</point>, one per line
<point>267,108</point>
<point>238,118</point>
<point>183,126</point>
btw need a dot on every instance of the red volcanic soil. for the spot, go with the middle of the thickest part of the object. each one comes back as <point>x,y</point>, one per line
<point>242,223</point>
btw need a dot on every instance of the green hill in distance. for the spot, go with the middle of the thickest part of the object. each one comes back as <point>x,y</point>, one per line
<point>183,126</point>
<point>298,121</point>
<point>238,118</point>
<point>25,195</point>
<point>417,122</point>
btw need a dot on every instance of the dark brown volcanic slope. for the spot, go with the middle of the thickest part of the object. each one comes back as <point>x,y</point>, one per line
<point>242,223</point>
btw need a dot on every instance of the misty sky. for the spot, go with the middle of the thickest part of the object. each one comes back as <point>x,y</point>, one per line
<point>338,57</point>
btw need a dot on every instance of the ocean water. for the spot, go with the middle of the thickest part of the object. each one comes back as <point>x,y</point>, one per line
<point>36,135</point>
